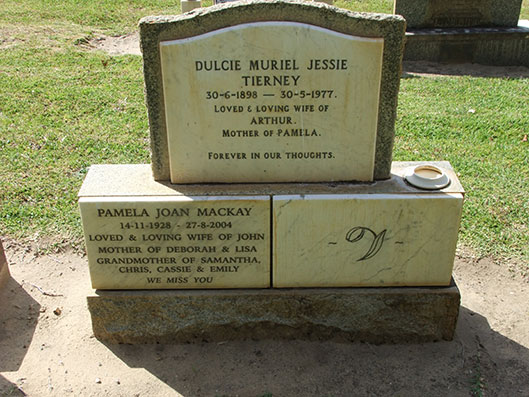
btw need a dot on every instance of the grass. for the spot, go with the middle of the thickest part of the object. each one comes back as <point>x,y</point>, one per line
<point>111,16</point>
<point>477,383</point>
<point>384,6</point>
<point>62,111</point>
<point>63,108</point>
<point>479,125</point>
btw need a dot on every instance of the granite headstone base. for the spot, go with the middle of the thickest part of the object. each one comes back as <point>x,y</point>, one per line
<point>4,270</point>
<point>374,315</point>
<point>486,46</point>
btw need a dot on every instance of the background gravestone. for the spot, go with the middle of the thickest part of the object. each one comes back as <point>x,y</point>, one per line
<point>487,32</point>
<point>458,13</point>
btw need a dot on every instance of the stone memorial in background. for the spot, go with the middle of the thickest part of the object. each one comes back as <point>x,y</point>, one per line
<point>4,269</point>
<point>459,13</point>
<point>222,237</point>
<point>189,5</point>
<point>479,31</point>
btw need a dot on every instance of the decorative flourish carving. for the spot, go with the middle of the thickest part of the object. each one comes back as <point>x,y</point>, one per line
<point>357,233</point>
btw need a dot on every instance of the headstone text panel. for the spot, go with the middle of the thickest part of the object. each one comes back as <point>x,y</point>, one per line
<point>177,242</point>
<point>271,102</point>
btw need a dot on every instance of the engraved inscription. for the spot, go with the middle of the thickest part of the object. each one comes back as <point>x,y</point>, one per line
<point>271,101</point>
<point>178,243</point>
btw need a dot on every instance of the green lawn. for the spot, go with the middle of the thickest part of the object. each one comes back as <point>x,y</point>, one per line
<point>63,108</point>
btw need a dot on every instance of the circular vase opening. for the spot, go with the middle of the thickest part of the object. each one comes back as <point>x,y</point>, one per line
<point>428,177</point>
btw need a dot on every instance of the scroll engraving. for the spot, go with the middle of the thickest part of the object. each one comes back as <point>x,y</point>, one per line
<point>357,233</point>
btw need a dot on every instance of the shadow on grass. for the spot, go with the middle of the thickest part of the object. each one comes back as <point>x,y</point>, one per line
<point>19,314</point>
<point>415,69</point>
<point>478,359</point>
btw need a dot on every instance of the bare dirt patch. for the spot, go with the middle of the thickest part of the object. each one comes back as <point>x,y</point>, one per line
<point>47,346</point>
<point>115,45</point>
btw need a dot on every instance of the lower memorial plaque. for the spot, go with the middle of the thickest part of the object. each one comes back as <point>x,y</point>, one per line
<point>365,239</point>
<point>177,242</point>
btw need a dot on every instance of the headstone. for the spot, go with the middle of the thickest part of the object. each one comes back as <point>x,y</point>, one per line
<point>227,103</point>
<point>4,269</point>
<point>289,113</point>
<point>248,102</point>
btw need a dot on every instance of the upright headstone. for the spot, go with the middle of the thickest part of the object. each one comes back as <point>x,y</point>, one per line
<point>4,270</point>
<point>289,113</point>
<point>264,97</point>
<point>243,97</point>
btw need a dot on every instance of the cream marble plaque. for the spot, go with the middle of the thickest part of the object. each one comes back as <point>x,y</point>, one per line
<point>365,239</point>
<point>177,242</point>
<point>271,102</point>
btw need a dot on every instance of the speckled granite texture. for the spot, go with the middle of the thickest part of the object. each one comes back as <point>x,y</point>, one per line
<point>374,315</point>
<point>159,28</point>
<point>458,13</point>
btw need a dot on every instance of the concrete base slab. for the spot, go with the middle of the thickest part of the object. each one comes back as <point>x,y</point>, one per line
<point>374,315</point>
<point>486,46</point>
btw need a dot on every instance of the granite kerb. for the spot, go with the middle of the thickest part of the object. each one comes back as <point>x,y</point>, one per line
<point>375,315</point>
